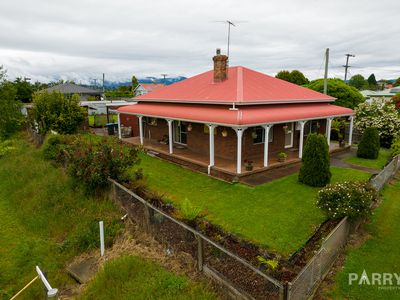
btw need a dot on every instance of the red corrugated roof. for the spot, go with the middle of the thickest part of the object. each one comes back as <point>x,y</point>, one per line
<point>243,86</point>
<point>245,115</point>
<point>150,87</point>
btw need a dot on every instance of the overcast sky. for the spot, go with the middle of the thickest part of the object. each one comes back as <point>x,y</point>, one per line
<point>79,40</point>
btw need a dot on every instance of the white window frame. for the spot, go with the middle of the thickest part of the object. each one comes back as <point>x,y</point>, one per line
<point>270,136</point>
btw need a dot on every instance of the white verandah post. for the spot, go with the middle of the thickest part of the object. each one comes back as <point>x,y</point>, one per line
<point>301,141</point>
<point>239,133</point>
<point>328,130</point>
<point>170,139</point>
<point>211,128</point>
<point>351,130</point>
<point>119,126</point>
<point>266,143</point>
<point>141,129</point>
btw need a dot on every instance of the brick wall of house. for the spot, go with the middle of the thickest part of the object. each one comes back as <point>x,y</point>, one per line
<point>130,121</point>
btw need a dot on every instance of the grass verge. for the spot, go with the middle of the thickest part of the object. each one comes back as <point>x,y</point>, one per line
<point>44,220</point>
<point>132,277</point>
<point>379,254</point>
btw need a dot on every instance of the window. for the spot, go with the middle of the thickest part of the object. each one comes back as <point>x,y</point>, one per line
<point>258,135</point>
<point>180,132</point>
<point>311,127</point>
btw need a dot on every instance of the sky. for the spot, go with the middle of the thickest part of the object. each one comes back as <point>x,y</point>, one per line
<point>47,40</point>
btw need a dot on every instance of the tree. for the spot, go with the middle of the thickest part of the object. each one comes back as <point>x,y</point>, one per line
<point>381,115</point>
<point>56,112</point>
<point>373,84</point>
<point>135,83</point>
<point>346,96</point>
<point>358,81</point>
<point>24,90</point>
<point>315,170</point>
<point>11,116</point>
<point>369,145</point>
<point>397,82</point>
<point>295,77</point>
<point>396,100</point>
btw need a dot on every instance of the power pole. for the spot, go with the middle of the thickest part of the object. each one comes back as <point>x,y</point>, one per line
<point>326,71</point>
<point>346,66</point>
<point>103,82</point>
<point>164,75</point>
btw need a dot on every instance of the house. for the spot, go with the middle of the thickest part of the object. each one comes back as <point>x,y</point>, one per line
<point>144,88</point>
<point>70,89</point>
<point>385,95</point>
<point>230,120</point>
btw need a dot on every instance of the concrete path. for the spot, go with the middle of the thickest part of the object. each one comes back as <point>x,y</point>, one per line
<point>338,161</point>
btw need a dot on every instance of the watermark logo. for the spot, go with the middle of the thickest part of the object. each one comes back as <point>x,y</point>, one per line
<point>389,281</point>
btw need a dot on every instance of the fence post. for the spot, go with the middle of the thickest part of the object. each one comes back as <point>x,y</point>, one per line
<point>147,218</point>
<point>200,253</point>
<point>286,292</point>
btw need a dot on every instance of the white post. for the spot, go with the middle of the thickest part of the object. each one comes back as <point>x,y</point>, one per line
<point>170,139</point>
<point>266,143</point>
<point>301,141</point>
<point>239,133</point>
<point>211,128</point>
<point>351,130</point>
<point>51,292</point>
<point>119,127</point>
<point>141,129</point>
<point>101,238</point>
<point>328,130</point>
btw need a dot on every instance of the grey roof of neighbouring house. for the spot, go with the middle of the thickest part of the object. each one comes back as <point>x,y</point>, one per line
<point>384,93</point>
<point>71,88</point>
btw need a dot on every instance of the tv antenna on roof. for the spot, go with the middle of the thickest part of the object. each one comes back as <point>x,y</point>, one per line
<point>230,23</point>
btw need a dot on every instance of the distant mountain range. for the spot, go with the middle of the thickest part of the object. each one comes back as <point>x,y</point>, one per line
<point>167,81</point>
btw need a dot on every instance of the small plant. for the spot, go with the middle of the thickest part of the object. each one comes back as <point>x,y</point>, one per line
<point>249,165</point>
<point>282,156</point>
<point>369,145</point>
<point>269,263</point>
<point>352,199</point>
<point>315,170</point>
<point>188,211</point>
<point>5,148</point>
<point>395,148</point>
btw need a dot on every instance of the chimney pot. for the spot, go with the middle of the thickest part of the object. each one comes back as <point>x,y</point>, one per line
<point>220,66</point>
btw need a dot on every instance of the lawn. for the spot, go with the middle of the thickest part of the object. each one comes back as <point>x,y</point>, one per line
<point>379,163</point>
<point>101,120</point>
<point>44,220</point>
<point>379,254</point>
<point>131,277</point>
<point>280,215</point>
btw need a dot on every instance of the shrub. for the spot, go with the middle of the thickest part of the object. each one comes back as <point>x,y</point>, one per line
<point>92,163</point>
<point>54,147</point>
<point>380,115</point>
<point>349,198</point>
<point>395,149</point>
<point>189,211</point>
<point>6,147</point>
<point>315,170</point>
<point>369,144</point>
<point>11,117</point>
<point>57,112</point>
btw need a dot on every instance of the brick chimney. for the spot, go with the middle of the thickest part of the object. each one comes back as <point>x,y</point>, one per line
<point>220,66</point>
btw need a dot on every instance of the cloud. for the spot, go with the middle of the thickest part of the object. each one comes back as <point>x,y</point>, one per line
<point>80,40</point>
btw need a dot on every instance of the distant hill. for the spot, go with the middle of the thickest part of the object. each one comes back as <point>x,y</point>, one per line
<point>167,81</point>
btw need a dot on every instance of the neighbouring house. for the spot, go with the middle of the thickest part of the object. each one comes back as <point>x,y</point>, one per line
<point>386,95</point>
<point>144,88</point>
<point>69,89</point>
<point>230,120</point>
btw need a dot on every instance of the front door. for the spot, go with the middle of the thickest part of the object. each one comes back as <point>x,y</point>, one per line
<point>289,132</point>
<point>180,132</point>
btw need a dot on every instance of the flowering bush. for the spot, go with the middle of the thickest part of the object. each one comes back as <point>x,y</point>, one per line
<point>348,198</point>
<point>381,115</point>
<point>395,146</point>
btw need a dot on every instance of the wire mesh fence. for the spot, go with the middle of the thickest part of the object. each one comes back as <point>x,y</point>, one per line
<point>240,279</point>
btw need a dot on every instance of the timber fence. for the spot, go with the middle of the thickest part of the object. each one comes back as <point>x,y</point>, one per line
<point>308,279</point>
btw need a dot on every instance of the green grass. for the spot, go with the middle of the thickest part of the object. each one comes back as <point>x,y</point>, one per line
<point>280,215</point>
<point>378,254</point>
<point>101,120</point>
<point>44,221</point>
<point>379,163</point>
<point>131,277</point>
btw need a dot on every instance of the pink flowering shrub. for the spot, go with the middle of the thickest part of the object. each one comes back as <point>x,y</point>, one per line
<point>350,198</point>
